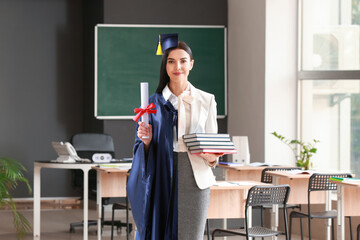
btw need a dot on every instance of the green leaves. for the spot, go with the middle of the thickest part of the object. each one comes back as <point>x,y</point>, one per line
<point>302,150</point>
<point>11,174</point>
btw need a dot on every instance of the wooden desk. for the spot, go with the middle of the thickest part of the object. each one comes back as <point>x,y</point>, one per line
<point>348,195</point>
<point>111,182</point>
<point>85,167</point>
<point>229,201</point>
<point>38,165</point>
<point>242,173</point>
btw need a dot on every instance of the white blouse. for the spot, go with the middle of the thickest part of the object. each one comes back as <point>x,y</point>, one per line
<point>178,144</point>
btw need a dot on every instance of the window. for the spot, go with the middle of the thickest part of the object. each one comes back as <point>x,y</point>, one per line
<point>329,81</point>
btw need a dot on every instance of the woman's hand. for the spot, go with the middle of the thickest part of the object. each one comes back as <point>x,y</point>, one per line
<point>211,158</point>
<point>145,131</point>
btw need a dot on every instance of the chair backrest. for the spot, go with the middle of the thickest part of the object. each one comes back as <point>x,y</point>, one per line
<point>86,144</point>
<point>267,195</point>
<point>267,178</point>
<point>320,181</point>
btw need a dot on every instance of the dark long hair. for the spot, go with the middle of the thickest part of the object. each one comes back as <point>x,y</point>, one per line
<point>164,77</point>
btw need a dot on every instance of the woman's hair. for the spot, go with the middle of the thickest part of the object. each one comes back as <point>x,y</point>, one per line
<point>164,77</point>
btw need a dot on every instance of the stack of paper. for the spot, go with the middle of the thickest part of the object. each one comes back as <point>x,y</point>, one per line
<point>209,143</point>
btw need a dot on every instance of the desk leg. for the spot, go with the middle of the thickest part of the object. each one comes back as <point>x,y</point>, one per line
<point>328,208</point>
<point>249,218</point>
<point>98,203</point>
<point>340,216</point>
<point>37,199</point>
<point>225,171</point>
<point>86,202</point>
<point>275,211</point>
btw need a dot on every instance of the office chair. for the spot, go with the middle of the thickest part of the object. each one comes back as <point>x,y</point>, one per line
<point>122,206</point>
<point>319,182</point>
<point>87,144</point>
<point>260,196</point>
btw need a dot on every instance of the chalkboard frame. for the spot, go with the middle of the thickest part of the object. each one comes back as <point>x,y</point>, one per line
<point>220,98</point>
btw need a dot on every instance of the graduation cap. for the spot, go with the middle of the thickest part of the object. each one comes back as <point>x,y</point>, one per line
<point>166,41</point>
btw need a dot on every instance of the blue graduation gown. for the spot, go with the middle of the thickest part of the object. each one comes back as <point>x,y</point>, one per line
<point>152,185</point>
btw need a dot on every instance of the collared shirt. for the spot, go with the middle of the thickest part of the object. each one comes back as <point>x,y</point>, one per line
<point>174,100</point>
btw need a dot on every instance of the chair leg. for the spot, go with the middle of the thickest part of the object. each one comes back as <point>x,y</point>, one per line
<point>332,229</point>
<point>309,223</point>
<point>262,218</point>
<point>207,229</point>
<point>127,219</point>
<point>358,232</point>
<point>301,225</point>
<point>112,224</point>
<point>350,224</point>
<point>290,226</point>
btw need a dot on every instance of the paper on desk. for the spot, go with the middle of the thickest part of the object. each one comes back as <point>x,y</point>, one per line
<point>233,183</point>
<point>224,184</point>
<point>242,183</point>
<point>259,164</point>
<point>295,172</point>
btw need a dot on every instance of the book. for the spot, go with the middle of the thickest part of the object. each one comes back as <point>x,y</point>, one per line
<point>207,150</point>
<point>206,139</point>
<point>231,163</point>
<point>340,179</point>
<point>210,147</point>
<point>210,143</point>
<point>206,135</point>
<point>119,166</point>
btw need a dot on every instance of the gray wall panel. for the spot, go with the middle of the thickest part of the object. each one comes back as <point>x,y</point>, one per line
<point>41,96</point>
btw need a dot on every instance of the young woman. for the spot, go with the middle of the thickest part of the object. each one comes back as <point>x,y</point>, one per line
<point>168,188</point>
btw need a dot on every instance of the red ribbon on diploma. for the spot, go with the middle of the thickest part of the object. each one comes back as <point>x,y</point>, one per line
<point>141,111</point>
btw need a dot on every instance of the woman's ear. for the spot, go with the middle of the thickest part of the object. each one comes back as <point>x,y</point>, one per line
<point>191,64</point>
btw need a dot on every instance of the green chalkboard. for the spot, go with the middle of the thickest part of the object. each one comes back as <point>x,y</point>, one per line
<point>125,57</point>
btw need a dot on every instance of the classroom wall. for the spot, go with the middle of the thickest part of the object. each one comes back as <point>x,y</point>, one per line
<point>46,75</point>
<point>262,76</point>
<point>280,79</point>
<point>247,73</point>
<point>41,84</point>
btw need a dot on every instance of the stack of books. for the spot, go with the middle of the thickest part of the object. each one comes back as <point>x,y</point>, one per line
<point>209,143</point>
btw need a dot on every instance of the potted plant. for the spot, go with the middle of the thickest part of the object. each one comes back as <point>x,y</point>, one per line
<point>303,151</point>
<point>11,173</point>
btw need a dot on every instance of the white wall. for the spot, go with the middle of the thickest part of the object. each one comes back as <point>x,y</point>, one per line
<point>262,75</point>
<point>280,79</point>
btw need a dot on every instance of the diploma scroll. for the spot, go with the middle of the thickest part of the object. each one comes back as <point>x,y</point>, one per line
<point>144,86</point>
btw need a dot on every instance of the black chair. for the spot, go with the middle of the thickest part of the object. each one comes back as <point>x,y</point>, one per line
<point>122,206</point>
<point>267,178</point>
<point>319,182</point>
<point>87,144</point>
<point>259,196</point>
